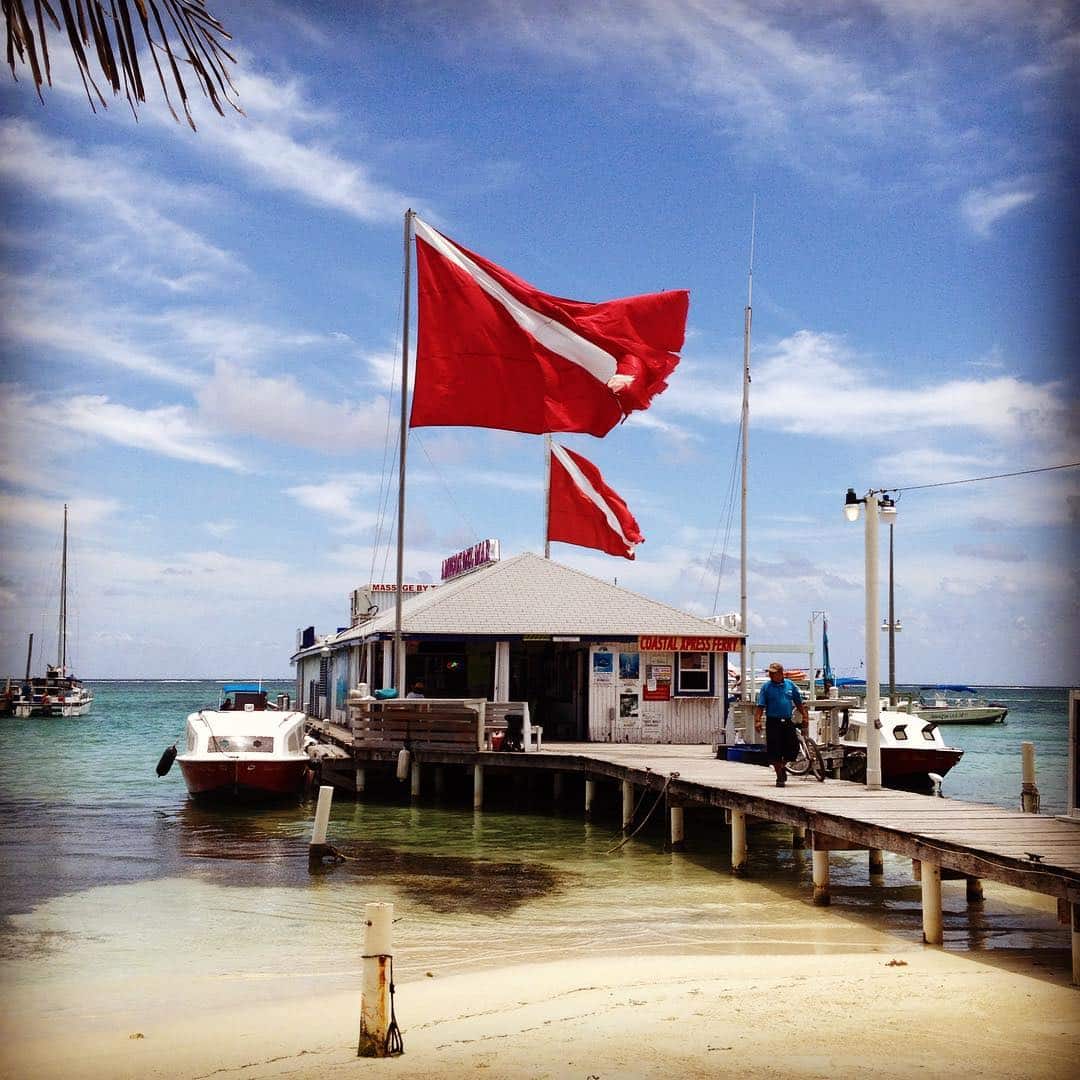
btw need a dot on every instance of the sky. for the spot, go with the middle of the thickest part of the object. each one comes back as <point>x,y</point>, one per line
<point>201,330</point>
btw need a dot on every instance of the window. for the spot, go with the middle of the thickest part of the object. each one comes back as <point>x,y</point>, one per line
<point>236,744</point>
<point>694,674</point>
<point>900,732</point>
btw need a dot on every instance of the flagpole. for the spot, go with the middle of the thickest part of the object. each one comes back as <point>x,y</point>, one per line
<point>399,651</point>
<point>747,318</point>
<point>547,495</point>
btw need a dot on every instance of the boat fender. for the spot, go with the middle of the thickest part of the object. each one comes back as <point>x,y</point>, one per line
<point>165,763</point>
<point>404,764</point>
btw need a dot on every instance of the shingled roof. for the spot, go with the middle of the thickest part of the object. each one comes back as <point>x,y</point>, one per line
<point>528,594</point>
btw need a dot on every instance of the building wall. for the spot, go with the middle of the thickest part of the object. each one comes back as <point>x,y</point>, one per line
<point>624,705</point>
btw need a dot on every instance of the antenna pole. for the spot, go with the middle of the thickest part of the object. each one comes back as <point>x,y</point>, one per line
<point>547,495</point>
<point>399,648</point>
<point>744,674</point>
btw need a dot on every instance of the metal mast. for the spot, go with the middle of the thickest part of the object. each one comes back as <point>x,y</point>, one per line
<point>61,642</point>
<point>399,650</point>
<point>747,318</point>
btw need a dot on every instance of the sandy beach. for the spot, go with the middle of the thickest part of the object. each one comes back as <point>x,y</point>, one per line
<point>913,1011</point>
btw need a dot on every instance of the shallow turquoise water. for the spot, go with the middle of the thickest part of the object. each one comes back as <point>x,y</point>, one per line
<point>112,880</point>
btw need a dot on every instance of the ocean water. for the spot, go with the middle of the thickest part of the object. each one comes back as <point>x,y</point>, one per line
<point>117,892</point>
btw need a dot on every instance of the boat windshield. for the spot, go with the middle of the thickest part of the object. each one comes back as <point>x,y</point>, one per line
<point>238,744</point>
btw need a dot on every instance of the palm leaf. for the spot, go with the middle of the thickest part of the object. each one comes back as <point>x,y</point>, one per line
<point>103,41</point>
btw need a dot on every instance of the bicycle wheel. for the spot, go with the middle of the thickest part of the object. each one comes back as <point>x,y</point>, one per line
<point>817,763</point>
<point>802,763</point>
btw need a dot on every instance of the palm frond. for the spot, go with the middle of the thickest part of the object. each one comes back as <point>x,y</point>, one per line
<point>105,30</point>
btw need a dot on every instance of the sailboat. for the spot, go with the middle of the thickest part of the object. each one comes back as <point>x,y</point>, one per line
<point>58,692</point>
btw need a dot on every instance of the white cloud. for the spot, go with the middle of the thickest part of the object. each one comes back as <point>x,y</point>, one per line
<point>983,208</point>
<point>349,500</point>
<point>48,514</point>
<point>279,409</point>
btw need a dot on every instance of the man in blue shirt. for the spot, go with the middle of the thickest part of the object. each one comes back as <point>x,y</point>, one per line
<point>777,701</point>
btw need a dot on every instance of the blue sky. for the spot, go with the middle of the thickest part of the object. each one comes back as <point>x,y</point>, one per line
<point>199,329</point>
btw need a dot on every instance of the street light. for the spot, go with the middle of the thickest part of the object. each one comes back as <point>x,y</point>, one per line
<point>887,510</point>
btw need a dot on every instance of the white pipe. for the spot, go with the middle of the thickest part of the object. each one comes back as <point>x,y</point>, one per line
<point>322,816</point>
<point>873,657</point>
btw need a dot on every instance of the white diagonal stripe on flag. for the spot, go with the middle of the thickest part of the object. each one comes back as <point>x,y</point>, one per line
<point>582,483</point>
<point>548,332</point>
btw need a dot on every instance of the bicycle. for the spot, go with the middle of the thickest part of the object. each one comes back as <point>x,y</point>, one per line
<point>809,758</point>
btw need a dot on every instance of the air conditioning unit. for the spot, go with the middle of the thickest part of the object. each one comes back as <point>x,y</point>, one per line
<point>362,605</point>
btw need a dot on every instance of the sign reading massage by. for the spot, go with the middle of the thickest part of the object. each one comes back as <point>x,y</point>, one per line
<point>686,643</point>
<point>487,551</point>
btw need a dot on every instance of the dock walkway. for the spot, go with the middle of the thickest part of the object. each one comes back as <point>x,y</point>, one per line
<point>945,838</point>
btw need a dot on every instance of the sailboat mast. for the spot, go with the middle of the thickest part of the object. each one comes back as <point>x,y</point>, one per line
<point>399,650</point>
<point>61,642</point>
<point>744,680</point>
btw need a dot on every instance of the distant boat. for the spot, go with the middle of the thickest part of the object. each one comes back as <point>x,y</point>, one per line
<point>58,692</point>
<point>953,703</point>
<point>245,749</point>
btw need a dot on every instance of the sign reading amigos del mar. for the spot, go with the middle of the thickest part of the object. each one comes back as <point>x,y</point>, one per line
<point>686,643</point>
<point>487,551</point>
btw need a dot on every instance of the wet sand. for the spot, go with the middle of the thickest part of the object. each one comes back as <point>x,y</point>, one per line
<point>912,1011</point>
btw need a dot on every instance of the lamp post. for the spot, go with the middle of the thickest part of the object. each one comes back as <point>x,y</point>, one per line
<point>892,624</point>
<point>887,508</point>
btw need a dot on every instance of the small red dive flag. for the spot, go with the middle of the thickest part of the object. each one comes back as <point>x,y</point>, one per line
<point>585,511</point>
<point>494,352</point>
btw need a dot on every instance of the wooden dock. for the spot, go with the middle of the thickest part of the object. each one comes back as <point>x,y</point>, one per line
<point>945,838</point>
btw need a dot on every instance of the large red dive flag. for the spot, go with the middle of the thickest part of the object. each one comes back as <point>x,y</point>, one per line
<point>494,352</point>
<point>585,511</point>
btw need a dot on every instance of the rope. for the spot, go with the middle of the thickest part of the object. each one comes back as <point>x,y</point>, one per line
<point>660,795</point>
<point>1032,790</point>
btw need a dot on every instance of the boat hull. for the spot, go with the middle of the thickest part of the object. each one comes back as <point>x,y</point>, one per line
<point>902,767</point>
<point>241,779</point>
<point>978,714</point>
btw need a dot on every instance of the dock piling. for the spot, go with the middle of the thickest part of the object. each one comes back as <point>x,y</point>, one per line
<point>318,848</point>
<point>414,780</point>
<point>930,876</point>
<point>798,836</point>
<point>1029,789</point>
<point>820,862</point>
<point>738,842</point>
<point>378,963</point>
<point>974,890</point>
<point>478,787</point>
<point>556,787</point>
<point>360,781</point>
<point>678,836</point>
<point>627,805</point>
<point>876,863</point>
<point>590,794</point>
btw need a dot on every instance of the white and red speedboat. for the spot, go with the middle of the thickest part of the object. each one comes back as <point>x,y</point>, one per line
<point>246,748</point>
<point>913,752</point>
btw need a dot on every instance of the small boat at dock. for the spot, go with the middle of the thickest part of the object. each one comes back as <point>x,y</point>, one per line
<point>913,752</point>
<point>245,749</point>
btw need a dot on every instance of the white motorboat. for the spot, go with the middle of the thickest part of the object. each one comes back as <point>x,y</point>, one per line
<point>913,751</point>
<point>245,749</point>
<point>952,703</point>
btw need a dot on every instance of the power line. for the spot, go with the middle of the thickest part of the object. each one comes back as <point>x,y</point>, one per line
<point>996,476</point>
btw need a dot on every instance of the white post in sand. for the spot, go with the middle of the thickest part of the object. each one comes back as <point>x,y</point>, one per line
<point>820,872</point>
<point>478,787</point>
<point>318,846</point>
<point>678,836</point>
<point>590,793</point>
<point>738,841</point>
<point>627,804</point>
<point>931,903</point>
<point>1029,790</point>
<point>375,1002</point>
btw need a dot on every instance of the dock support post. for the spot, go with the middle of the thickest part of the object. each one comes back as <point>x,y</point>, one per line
<point>627,804</point>
<point>440,781</point>
<point>1076,943</point>
<point>360,779</point>
<point>590,794</point>
<point>556,788</point>
<point>876,858</point>
<point>974,890</point>
<point>414,780</point>
<point>820,860</point>
<point>1029,790</point>
<point>798,836</point>
<point>738,842</point>
<point>375,999</point>
<point>318,846</point>
<point>931,903</point>
<point>478,787</point>
<point>678,837</point>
